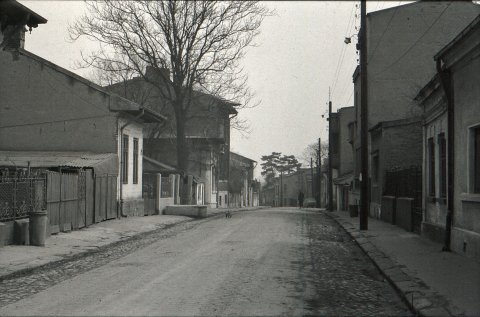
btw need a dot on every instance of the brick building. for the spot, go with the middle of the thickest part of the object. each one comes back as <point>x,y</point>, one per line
<point>453,185</point>
<point>342,161</point>
<point>48,108</point>
<point>207,130</point>
<point>401,42</point>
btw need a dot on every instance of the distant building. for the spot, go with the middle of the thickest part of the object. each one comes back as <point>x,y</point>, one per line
<point>243,190</point>
<point>207,131</point>
<point>284,190</point>
<point>342,160</point>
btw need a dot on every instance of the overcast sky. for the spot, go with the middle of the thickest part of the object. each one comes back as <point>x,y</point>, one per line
<point>300,54</point>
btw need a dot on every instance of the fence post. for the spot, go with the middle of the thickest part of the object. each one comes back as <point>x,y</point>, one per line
<point>14,198</point>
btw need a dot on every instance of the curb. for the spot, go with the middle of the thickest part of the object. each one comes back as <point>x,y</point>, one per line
<point>420,299</point>
<point>81,254</point>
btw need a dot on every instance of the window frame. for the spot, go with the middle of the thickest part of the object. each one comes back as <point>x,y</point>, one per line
<point>431,166</point>
<point>135,161</point>
<point>125,153</point>
<point>442,165</point>
<point>475,168</point>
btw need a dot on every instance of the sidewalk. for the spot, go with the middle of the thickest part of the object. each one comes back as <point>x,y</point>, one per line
<point>20,258</point>
<point>432,282</point>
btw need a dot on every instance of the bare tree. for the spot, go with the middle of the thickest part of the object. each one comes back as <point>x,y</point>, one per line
<point>200,43</point>
<point>311,152</point>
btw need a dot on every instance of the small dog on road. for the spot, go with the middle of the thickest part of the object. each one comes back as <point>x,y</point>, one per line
<point>228,214</point>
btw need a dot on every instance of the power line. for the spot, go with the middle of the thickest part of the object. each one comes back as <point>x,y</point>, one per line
<point>52,121</point>
<point>342,53</point>
<point>416,42</point>
<point>383,33</point>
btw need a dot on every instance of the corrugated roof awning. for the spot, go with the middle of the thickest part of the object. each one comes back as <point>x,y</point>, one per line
<point>120,104</point>
<point>102,163</point>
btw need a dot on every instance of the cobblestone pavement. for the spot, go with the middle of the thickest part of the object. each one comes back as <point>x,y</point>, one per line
<point>346,282</point>
<point>270,262</point>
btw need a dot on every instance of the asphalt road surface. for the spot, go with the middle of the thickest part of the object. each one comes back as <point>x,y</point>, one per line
<point>267,262</point>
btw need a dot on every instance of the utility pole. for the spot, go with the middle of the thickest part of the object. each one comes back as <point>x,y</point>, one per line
<point>364,199</point>
<point>319,173</point>
<point>281,189</point>
<point>311,172</point>
<point>330,180</point>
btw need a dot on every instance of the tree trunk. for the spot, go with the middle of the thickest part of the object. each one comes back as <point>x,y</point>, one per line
<point>182,151</point>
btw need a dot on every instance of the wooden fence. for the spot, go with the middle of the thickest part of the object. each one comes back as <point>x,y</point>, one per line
<point>79,199</point>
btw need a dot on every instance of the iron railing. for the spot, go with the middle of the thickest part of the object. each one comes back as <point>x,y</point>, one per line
<point>21,193</point>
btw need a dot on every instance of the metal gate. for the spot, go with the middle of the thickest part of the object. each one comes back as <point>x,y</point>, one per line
<point>20,193</point>
<point>149,193</point>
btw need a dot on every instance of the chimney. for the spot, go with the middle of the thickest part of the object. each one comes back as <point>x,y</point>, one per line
<point>157,75</point>
<point>14,37</point>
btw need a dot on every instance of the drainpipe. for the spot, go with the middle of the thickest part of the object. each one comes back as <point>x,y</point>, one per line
<point>446,83</point>
<point>121,158</point>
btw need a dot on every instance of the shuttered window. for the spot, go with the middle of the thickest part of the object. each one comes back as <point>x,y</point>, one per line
<point>431,167</point>
<point>442,178</point>
<point>476,160</point>
<point>125,159</point>
<point>135,160</point>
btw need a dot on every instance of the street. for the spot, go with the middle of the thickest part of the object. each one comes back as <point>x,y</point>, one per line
<point>280,261</point>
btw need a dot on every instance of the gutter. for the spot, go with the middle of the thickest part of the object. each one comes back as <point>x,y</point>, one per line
<point>122,213</point>
<point>446,84</point>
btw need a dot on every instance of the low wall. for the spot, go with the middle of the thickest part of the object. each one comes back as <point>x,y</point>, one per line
<point>164,202</point>
<point>195,211</point>
<point>133,208</point>
<point>433,232</point>
<point>6,233</point>
<point>466,242</point>
<point>403,213</point>
<point>388,209</point>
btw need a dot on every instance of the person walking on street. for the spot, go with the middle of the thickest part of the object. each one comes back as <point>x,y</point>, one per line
<point>301,196</point>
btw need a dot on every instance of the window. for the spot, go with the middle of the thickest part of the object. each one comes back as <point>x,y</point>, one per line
<point>375,169</point>
<point>219,200</point>
<point>125,159</point>
<point>442,177</point>
<point>135,160</point>
<point>476,160</point>
<point>431,167</point>
<point>214,179</point>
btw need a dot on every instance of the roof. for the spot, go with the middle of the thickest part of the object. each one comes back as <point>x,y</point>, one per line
<point>17,12</point>
<point>120,104</point>
<point>241,157</point>
<point>151,165</point>
<point>116,102</point>
<point>469,28</point>
<point>424,92</point>
<point>102,163</point>
<point>395,123</point>
<point>225,105</point>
